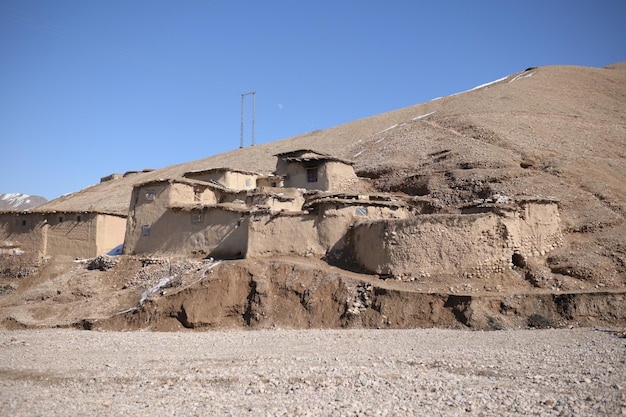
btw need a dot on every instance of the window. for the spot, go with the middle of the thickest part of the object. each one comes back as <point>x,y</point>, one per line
<point>145,230</point>
<point>360,211</point>
<point>78,218</point>
<point>150,196</point>
<point>311,174</point>
<point>197,217</point>
<point>197,192</point>
<point>60,219</point>
<point>23,222</point>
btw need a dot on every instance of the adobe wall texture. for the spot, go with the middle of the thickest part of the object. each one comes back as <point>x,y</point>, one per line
<point>332,176</point>
<point>72,237</point>
<point>211,231</point>
<point>229,179</point>
<point>271,235</point>
<point>181,193</point>
<point>148,203</point>
<point>277,199</point>
<point>309,234</point>
<point>79,235</point>
<point>29,237</point>
<point>455,243</point>
<point>111,233</point>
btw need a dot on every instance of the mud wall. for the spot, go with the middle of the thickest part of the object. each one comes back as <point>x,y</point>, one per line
<point>209,231</point>
<point>276,199</point>
<point>534,228</point>
<point>430,244</point>
<point>331,176</point>
<point>281,234</point>
<point>335,220</point>
<point>148,203</point>
<point>28,231</point>
<point>229,179</point>
<point>110,233</point>
<point>72,235</point>
<point>182,193</point>
<point>456,243</point>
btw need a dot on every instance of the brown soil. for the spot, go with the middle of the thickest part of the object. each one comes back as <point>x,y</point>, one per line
<point>287,293</point>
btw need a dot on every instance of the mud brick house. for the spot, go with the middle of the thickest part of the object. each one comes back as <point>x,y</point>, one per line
<point>70,233</point>
<point>216,212</point>
<point>312,170</point>
<point>84,224</point>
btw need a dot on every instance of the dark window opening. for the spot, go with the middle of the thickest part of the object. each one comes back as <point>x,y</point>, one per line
<point>311,174</point>
<point>60,219</point>
<point>78,218</point>
<point>197,192</point>
<point>145,230</point>
<point>23,222</point>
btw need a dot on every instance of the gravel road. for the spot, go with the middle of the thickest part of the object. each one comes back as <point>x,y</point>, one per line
<point>431,372</point>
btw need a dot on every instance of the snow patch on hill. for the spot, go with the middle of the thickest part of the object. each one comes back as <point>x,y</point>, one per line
<point>19,201</point>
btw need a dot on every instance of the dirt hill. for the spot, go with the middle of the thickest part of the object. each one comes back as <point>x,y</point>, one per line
<point>556,131</point>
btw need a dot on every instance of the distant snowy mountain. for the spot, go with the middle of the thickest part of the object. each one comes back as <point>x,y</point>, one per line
<point>19,201</point>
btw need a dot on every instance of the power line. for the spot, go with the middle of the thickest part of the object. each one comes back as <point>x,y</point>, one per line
<point>241,139</point>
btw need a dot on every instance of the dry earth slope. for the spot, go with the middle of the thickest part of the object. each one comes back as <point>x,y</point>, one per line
<point>556,131</point>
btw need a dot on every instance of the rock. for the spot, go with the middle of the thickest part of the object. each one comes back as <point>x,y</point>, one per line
<point>102,263</point>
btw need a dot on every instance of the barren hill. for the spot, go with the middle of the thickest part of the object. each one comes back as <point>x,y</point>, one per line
<point>19,201</point>
<point>557,131</point>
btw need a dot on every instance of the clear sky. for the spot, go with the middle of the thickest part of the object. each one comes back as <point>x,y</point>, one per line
<point>89,88</point>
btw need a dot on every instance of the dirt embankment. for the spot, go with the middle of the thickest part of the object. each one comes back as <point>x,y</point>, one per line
<point>162,294</point>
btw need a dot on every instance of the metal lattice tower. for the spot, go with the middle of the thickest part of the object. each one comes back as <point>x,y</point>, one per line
<point>241,140</point>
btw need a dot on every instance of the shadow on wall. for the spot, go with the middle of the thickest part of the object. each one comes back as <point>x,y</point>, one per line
<point>216,233</point>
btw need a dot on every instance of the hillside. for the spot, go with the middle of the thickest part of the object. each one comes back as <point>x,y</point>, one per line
<point>19,201</point>
<point>557,131</point>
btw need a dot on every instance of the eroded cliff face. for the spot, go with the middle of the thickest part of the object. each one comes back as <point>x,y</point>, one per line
<point>130,293</point>
<point>280,294</point>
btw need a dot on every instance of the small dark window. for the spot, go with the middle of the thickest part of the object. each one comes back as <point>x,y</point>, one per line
<point>197,218</point>
<point>145,230</point>
<point>311,174</point>
<point>197,192</point>
<point>360,211</point>
<point>60,219</point>
<point>23,222</point>
<point>78,218</point>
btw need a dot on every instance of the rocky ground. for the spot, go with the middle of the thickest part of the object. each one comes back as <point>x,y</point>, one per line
<point>434,372</point>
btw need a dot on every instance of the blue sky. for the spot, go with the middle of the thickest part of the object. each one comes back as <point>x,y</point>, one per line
<point>88,88</point>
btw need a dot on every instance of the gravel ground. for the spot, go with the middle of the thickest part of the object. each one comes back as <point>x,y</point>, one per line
<point>431,372</point>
